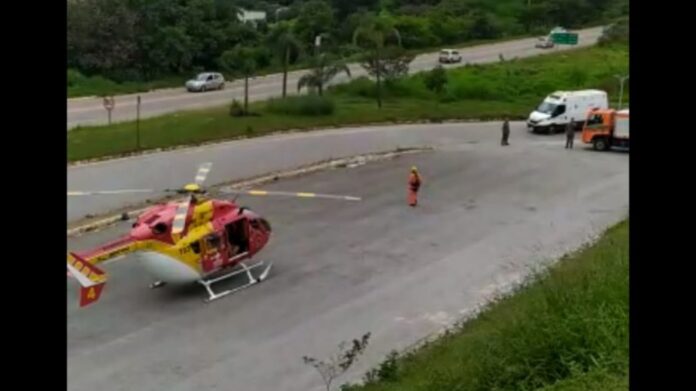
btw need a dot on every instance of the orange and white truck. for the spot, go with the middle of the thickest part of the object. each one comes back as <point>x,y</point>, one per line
<point>606,128</point>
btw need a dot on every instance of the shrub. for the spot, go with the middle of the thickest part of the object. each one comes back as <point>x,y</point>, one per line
<point>75,77</point>
<point>236,109</point>
<point>310,105</point>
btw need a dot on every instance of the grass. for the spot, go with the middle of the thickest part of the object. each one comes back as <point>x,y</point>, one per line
<point>514,80</point>
<point>567,330</point>
<point>80,85</point>
<point>483,92</point>
<point>194,127</point>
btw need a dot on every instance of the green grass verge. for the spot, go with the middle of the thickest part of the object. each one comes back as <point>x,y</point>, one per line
<point>476,92</point>
<point>187,128</point>
<point>567,330</point>
<point>80,85</point>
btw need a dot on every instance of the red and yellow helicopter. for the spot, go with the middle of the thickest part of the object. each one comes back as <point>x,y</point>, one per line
<point>199,239</point>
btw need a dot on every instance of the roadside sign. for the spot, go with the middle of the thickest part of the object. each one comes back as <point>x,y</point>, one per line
<point>109,104</point>
<point>565,38</point>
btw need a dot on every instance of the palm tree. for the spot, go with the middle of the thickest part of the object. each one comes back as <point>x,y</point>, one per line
<point>285,44</point>
<point>374,32</point>
<point>324,68</point>
<point>242,61</point>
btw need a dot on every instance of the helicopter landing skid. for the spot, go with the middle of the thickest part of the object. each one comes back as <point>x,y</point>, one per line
<point>244,269</point>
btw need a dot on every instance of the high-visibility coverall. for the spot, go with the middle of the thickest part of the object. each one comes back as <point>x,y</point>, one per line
<point>414,183</point>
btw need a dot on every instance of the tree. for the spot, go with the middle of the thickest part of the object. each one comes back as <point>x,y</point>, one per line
<point>394,64</point>
<point>285,44</point>
<point>346,7</point>
<point>415,32</point>
<point>101,36</point>
<point>484,27</point>
<point>241,61</point>
<point>373,33</point>
<point>324,68</point>
<point>436,80</point>
<point>315,18</point>
<point>338,364</point>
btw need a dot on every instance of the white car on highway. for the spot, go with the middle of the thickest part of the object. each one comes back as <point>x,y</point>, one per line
<point>449,56</point>
<point>205,82</point>
<point>544,43</point>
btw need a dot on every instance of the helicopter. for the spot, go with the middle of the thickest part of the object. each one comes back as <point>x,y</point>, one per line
<point>198,240</point>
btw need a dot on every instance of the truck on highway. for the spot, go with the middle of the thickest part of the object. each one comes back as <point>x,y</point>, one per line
<point>606,128</point>
<point>560,107</point>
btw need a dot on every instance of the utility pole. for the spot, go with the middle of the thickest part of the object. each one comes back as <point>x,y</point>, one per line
<point>621,79</point>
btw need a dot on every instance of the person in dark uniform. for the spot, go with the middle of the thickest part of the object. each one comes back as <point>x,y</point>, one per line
<point>570,134</point>
<point>506,132</point>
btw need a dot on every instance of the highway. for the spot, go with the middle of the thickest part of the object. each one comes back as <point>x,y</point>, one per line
<point>90,111</point>
<point>487,215</point>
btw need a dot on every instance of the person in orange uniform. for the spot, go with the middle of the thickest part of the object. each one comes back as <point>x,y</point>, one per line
<point>414,183</point>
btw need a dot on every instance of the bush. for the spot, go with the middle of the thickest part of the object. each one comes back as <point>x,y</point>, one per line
<point>362,87</point>
<point>236,109</point>
<point>415,32</point>
<point>615,33</point>
<point>310,105</point>
<point>450,29</point>
<point>436,80</point>
<point>75,77</point>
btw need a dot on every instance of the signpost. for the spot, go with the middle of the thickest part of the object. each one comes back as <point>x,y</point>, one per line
<point>137,123</point>
<point>109,104</point>
<point>622,79</point>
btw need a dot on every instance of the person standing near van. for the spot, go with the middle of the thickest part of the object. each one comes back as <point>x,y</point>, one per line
<point>506,132</point>
<point>570,134</point>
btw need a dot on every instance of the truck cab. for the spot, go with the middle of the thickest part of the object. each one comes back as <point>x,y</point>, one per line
<point>606,128</point>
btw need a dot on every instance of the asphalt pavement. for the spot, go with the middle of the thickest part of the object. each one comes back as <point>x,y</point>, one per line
<point>487,215</point>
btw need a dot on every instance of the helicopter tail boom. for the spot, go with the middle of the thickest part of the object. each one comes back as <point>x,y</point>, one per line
<point>90,277</point>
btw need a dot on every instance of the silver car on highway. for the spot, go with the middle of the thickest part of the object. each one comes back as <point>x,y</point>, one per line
<point>206,81</point>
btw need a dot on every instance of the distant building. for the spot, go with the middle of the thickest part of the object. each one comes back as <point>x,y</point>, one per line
<point>253,17</point>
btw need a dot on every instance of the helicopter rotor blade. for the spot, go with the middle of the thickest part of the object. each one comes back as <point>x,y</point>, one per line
<point>290,194</point>
<point>109,192</point>
<point>202,173</point>
<point>180,217</point>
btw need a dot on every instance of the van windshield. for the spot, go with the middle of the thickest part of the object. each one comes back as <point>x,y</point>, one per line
<point>546,107</point>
